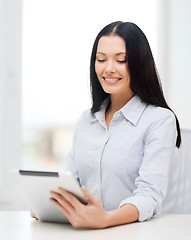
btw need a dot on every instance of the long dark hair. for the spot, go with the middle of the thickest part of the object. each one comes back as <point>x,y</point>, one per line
<point>144,79</point>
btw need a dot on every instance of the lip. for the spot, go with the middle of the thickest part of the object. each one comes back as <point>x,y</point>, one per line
<point>115,80</point>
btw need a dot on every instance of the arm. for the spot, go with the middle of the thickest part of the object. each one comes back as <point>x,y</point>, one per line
<point>126,214</point>
<point>151,183</point>
<point>70,159</point>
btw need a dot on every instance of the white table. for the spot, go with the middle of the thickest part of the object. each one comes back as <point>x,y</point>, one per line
<point>19,226</point>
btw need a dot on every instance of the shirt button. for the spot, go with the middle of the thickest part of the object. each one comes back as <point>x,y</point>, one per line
<point>118,114</point>
<point>110,132</point>
<point>124,122</point>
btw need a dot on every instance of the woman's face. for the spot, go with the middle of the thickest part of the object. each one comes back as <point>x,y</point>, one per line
<point>111,66</point>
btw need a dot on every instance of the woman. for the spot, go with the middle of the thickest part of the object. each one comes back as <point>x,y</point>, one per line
<point>123,145</point>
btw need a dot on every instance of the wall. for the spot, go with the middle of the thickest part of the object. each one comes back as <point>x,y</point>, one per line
<point>10,110</point>
<point>174,42</point>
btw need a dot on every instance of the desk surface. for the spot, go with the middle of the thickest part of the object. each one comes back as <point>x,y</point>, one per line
<point>19,226</point>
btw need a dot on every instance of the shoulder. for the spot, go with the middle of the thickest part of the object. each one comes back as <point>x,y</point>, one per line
<point>82,122</point>
<point>159,117</point>
<point>85,118</point>
<point>159,113</point>
<point>161,126</point>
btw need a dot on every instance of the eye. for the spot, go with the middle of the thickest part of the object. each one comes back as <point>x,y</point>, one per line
<point>122,61</point>
<point>101,60</point>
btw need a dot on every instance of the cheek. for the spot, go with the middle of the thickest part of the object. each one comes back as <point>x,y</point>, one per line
<point>124,71</point>
<point>98,69</point>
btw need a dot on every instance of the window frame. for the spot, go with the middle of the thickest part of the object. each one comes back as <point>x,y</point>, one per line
<point>10,101</point>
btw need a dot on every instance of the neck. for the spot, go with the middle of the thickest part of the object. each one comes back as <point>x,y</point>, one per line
<point>118,101</point>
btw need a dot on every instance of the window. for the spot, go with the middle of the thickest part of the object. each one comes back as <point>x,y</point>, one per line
<point>49,28</point>
<point>56,46</point>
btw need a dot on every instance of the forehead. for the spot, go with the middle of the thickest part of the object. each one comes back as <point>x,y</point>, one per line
<point>111,44</point>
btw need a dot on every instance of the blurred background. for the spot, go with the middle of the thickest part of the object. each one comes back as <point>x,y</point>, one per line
<point>45,48</point>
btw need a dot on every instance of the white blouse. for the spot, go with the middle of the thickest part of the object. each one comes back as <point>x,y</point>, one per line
<point>128,163</point>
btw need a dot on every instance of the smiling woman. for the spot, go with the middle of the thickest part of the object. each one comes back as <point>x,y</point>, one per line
<point>123,145</point>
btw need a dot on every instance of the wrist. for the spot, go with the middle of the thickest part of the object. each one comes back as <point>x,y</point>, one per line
<point>108,219</point>
<point>126,214</point>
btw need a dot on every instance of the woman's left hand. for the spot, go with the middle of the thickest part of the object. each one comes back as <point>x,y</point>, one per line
<point>91,215</point>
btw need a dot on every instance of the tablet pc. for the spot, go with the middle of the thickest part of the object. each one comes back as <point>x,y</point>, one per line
<point>36,186</point>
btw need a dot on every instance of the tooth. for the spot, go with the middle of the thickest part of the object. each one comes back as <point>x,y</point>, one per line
<point>111,80</point>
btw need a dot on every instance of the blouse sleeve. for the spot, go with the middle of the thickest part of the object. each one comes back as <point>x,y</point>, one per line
<point>70,160</point>
<point>151,183</point>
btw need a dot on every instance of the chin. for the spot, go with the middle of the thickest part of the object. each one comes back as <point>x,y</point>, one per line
<point>111,91</point>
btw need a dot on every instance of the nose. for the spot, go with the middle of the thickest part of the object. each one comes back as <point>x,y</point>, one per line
<point>110,67</point>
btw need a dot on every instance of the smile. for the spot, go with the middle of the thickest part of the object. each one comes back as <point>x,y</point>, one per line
<point>111,80</point>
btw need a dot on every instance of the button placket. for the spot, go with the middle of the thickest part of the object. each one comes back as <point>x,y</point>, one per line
<point>98,165</point>
<point>97,171</point>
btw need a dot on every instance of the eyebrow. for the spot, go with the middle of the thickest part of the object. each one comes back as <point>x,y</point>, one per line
<point>117,54</point>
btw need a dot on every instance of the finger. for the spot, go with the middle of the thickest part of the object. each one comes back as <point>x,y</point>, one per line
<point>61,208</point>
<point>70,197</point>
<point>62,202</point>
<point>32,214</point>
<point>71,216</point>
<point>92,198</point>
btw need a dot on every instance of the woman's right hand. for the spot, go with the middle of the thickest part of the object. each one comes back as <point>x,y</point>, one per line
<point>33,214</point>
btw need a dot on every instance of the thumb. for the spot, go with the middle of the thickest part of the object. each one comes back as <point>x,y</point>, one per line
<point>92,198</point>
